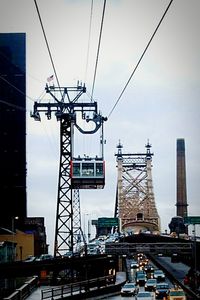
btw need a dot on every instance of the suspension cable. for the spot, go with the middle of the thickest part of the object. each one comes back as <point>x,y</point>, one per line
<point>101,28</point>
<point>47,44</point>
<point>141,57</point>
<point>89,37</point>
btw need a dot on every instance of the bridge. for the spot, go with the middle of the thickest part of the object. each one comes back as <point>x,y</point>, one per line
<point>136,209</point>
<point>135,203</point>
<point>93,266</point>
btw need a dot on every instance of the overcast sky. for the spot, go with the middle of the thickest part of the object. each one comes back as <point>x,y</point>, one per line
<point>161,102</point>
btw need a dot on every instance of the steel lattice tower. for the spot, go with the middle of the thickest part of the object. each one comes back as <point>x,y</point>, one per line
<point>68,206</point>
<point>77,217</point>
<point>135,203</point>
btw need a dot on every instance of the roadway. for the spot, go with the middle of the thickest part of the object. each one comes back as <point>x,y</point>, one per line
<point>178,269</point>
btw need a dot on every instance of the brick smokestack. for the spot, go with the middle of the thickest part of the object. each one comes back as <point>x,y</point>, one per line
<point>181,196</point>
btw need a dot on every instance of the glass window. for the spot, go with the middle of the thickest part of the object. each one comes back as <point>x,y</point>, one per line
<point>99,169</point>
<point>76,169</point>
<point>88,169</point>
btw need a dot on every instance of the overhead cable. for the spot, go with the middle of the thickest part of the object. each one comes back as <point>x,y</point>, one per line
<point>141,57</point>
<point>13,86</point>
<point>88,47</point>
<point>47,44</point>
<point>97,57</point>
<point>13,105</point>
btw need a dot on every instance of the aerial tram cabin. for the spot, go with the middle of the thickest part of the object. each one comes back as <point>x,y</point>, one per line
<point>87,173</point>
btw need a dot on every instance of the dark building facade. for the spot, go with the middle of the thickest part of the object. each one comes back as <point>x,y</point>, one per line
<point>12,129</point>
<point>36,226</point>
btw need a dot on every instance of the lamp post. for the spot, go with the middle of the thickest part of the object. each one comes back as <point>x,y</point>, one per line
<point>13,235</point>
<point>195,257</point>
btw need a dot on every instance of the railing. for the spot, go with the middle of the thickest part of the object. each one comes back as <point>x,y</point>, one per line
<point>77,288</point>
<point>154,248</point>
<point>25,290</point>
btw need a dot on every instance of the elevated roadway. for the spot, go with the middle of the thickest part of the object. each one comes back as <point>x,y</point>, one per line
<point>91,266</point>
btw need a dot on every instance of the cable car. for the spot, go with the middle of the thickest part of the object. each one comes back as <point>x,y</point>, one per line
<point>87,173</point>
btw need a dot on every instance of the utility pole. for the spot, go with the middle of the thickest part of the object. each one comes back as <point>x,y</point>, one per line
<point>66,110</point>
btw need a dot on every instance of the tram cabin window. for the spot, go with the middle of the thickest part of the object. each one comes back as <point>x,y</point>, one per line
<point>76,169</point>
<point>87,174</point>
<point>87,169</point>
<point>99,169</point>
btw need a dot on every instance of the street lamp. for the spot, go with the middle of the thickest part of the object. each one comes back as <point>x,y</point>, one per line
<point>13,235</point>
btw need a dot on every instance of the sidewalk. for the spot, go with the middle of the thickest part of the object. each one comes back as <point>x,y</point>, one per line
<point>120,279</point>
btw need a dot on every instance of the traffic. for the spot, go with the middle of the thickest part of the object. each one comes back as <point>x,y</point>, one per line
<point>146,282</point>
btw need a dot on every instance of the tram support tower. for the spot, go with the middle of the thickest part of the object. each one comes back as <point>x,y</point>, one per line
<point>135,203</point>
<point>67,110</point>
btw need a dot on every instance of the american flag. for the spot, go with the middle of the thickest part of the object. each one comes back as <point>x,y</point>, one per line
<point>50,78</point>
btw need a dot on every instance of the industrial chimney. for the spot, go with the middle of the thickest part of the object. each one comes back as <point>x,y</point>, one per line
<point>181,196</point>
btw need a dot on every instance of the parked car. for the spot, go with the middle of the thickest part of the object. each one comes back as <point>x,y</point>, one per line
<point>144,296</point>
<point>130,288</point>
<point>141,279</point>
<point>150,285</point>
<point>44,257</point>
<point>162,290</point>
<point>159,275</point>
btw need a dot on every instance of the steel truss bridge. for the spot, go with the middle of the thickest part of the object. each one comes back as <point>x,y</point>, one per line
<point>135,203</point>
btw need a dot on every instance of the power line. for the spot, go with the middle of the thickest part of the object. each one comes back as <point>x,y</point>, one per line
<point>47,44</point>
<point>101,28</point>
<point>141,57</point>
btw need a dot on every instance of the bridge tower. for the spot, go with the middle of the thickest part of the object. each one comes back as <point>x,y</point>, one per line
<point>135,203</point>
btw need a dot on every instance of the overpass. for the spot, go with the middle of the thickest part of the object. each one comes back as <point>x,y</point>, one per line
<point>93,266</point>
<point>86,267</point>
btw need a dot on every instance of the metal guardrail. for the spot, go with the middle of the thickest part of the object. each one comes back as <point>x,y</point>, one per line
<point>25,290</point>
<point>154,248</point>
<point>77,288</point>
<point>174,279</point>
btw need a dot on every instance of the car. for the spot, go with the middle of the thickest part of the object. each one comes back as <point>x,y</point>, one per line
<point>144,296</point>
<point>139,272</point>
<point>176,294</point>
<point>162,290</point>
<point>68,254</point>
<point>141,279</point>
<point>44,257</point>
<point>30,258</point>
<point>150,285</point>
<point>149,268</point>
<point>159,275</point>
<point>134,264</point>
<point>130,288</point>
